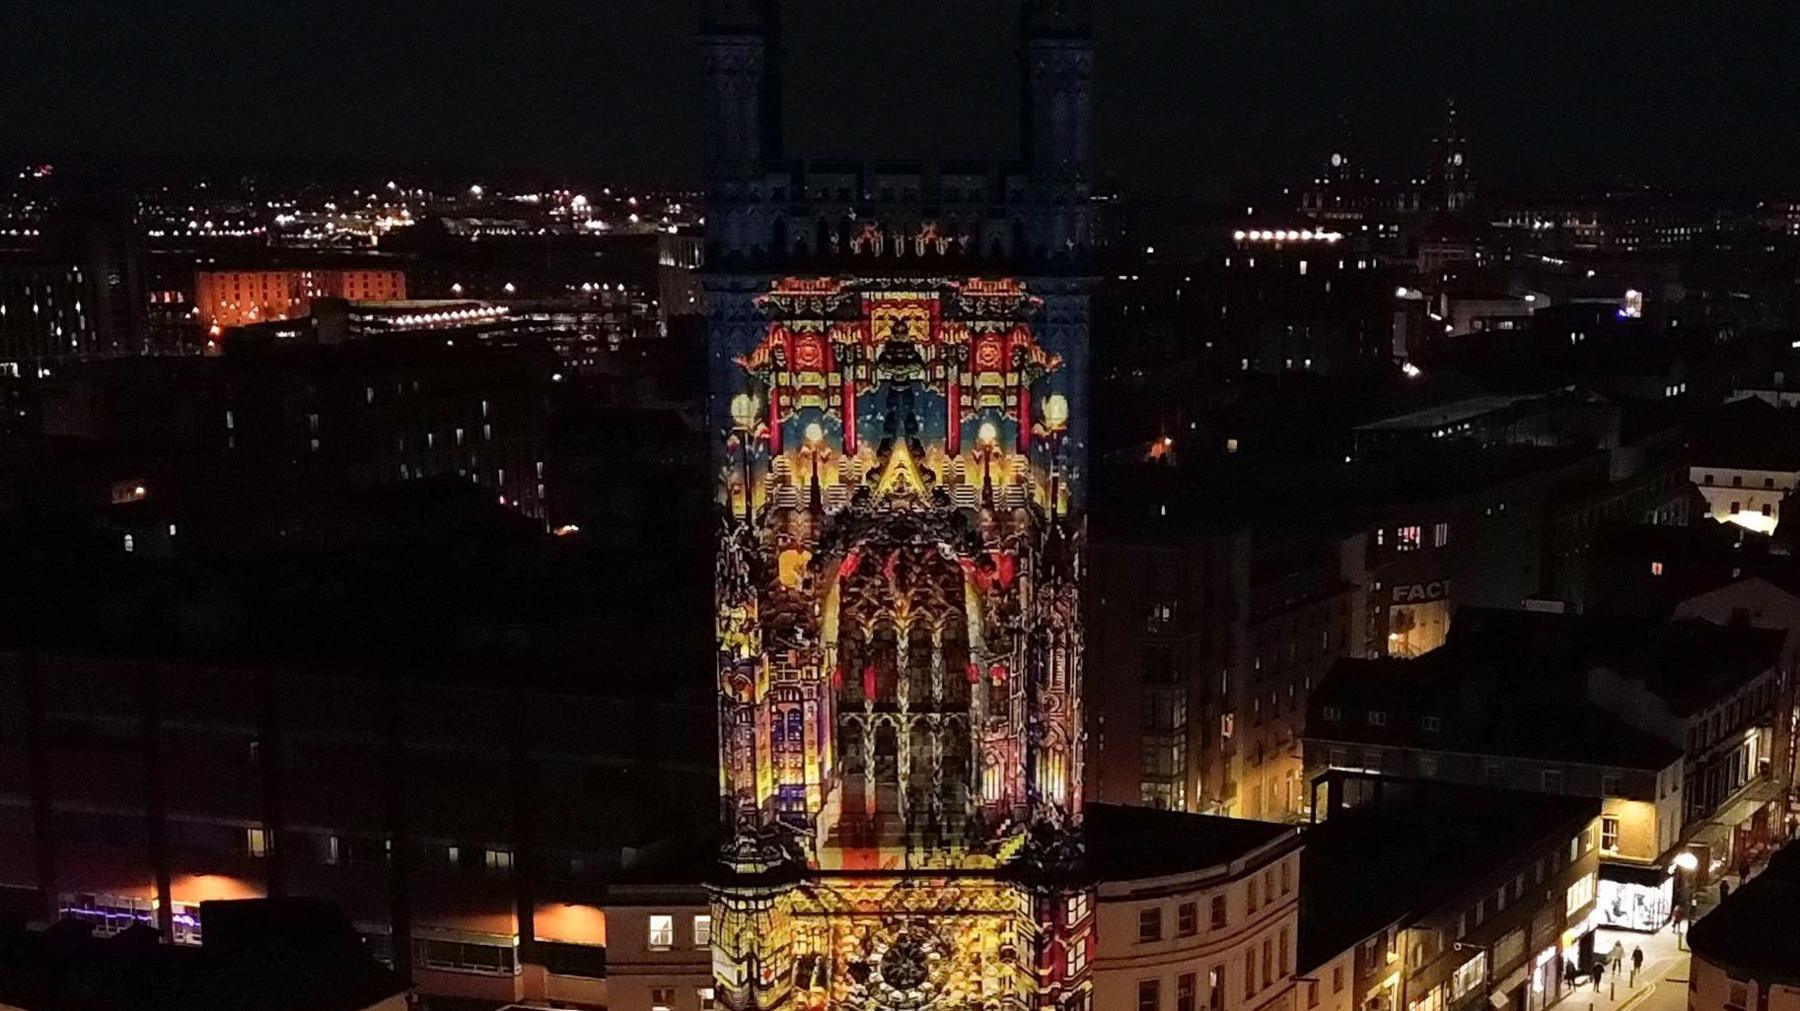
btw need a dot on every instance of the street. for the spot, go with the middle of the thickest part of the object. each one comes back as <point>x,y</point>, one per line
<point>1661,986</point>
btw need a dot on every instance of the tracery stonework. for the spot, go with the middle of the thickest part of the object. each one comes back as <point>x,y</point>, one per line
<point>899,451</point>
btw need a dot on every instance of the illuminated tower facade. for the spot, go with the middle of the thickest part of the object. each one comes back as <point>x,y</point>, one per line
<point>898,390</point>
<point>1451,186</point>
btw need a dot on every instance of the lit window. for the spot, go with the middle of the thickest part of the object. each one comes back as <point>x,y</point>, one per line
<point>1440,535</point>
<point>130,544</point>
<point>707,1001</point>
<point>702,930</point>
<point>1609,834</point>
<point>256,842</point>
<point>498,861</point>
<point>662,932</point>
<point>662,998</point>
<point>1333,713</point>
<point>1656,568</point>
<point>1408,538</point>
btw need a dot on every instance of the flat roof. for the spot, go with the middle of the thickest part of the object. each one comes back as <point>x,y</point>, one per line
<point>1446,414</point>
<point>1131,843</point>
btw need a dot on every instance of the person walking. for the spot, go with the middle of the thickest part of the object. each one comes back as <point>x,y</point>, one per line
<point>1615,959</point>
<point>1637,963</point>
<point>1599,974</point>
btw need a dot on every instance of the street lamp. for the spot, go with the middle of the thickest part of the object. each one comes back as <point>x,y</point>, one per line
<point>1056,422</point>
<point>743,420</point>
<point>1687,863</point>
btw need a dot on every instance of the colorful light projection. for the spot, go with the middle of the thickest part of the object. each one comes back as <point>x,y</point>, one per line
<point>899,650</point>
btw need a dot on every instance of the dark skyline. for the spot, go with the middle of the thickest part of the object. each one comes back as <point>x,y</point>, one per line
<point>1189,93</point>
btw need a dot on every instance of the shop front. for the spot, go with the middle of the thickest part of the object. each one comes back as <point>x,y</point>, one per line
<point>1633,897</point>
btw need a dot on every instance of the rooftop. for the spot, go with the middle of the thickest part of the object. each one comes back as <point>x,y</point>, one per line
<point>1481,711</point>
<point>1126,843</point>
<point>1435,841</point>
<point>1751,934</point>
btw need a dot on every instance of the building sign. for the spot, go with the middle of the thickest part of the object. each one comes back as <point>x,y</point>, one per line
<point>1419,593</point>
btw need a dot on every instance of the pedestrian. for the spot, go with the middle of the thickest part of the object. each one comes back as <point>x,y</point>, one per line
<point>1599,974</point>
<point>1637,963</point>
<point>1724,889</point>
<point>1615,959</point>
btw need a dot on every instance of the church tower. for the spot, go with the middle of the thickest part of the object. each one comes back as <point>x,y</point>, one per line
<point>898,395</point>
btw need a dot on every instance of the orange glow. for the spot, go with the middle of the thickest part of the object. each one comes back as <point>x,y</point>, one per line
<point>197,888</point>
<point>570,923</point>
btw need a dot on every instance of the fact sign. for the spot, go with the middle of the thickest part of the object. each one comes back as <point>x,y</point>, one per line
<point>1419,593</point>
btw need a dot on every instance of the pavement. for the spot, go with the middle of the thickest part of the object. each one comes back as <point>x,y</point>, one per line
<point>1660,986</point>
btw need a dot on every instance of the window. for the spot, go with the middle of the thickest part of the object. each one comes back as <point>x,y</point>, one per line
<point>256,842</point>
<point>1428,766</point>
<point>1737,480</point>
<point>702,930</point>
<point>1408,538</point>
<point>1077,908</point>
<point>1431,724</point>
<point>1281,954</point>
<point>1737,507</point>
<point>1493,773</point>
<point>707,1001</point>
<point>1609,834</point>
<point>466,956</point>
<point>1440,534</point>
<point>662,998</point>
<point>498,861</point>
<point>1187,919</point>
<point>130,544</point>
<point>1377,718</point>
<point>1766,508</point>
<point>1580,893</point>
<point>1268,962</point>
<point>1078,957</point>
<point>1656,568</point>
<point>1218,911</point>
<point>1468,976</point>
<point>1149,924</point>
<point>1609,784</point>
<point>1250,903</point>
<point>1184,992</point>
<point>1162,615</point>
<point>1312,993</point>
<point>1215,988</point>
<point>1287,877</point>
<point>1552,780</point>
<point>1149,995</point>
<point>1333,713</point>
<point>662,932</point>
<point>1249,973</point>
<point>1337,979</point>
<point>1737,994</point>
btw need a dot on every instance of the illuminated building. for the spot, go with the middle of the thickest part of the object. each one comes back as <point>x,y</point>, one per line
<point>1491,892</point>
<point>1746,464</point>
<point>1449,184</point>
<point>1681,727</point>
<point>898,399</point>
<point>1212,637</point>
<point>46,314</point>
<point>228,298</point>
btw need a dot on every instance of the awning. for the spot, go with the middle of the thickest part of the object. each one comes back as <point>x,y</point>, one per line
<point>1648,875</point>
<point>1497,998</point>
<point>1744,806</point>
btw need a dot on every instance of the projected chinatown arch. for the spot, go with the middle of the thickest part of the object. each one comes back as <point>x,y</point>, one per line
<point>899,654</point>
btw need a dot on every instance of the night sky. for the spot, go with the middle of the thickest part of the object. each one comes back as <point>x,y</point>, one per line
<point>1192,92</point>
